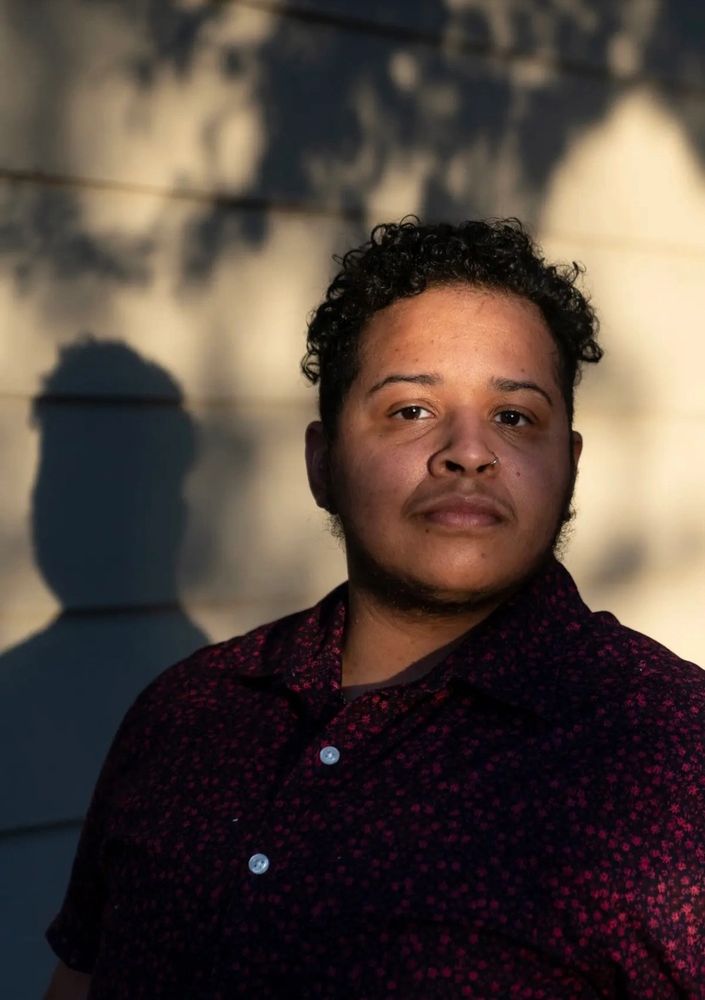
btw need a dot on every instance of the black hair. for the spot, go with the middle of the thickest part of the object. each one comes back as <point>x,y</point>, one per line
<point>403,259</point>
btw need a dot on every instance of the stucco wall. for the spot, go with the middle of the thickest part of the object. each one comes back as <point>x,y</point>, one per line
<point>173,181</point>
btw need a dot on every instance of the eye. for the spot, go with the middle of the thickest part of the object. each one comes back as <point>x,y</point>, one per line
<point>512,418</point>
<point>414,412</point>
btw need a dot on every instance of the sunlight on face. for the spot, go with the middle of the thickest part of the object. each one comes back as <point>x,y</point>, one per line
<point>454,458</point>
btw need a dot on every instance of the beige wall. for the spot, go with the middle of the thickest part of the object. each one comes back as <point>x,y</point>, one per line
<point>174,178</point>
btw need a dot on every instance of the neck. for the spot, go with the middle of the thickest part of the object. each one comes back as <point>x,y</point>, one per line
<point>385,644</point>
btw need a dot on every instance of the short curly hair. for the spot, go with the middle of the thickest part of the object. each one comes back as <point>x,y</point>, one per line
<point>403,259</point>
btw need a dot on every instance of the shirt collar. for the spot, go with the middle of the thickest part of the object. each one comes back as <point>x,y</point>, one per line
<point>517,654</point>
<point>514,656</point>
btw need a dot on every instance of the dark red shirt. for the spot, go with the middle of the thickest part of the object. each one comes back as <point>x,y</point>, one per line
<point>528,820</point>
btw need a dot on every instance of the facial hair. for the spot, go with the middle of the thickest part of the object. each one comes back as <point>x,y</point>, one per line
<point>417,599</point>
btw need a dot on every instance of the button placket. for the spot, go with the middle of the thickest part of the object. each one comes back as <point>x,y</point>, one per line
<point>259,863</point>
<point>323,757</point>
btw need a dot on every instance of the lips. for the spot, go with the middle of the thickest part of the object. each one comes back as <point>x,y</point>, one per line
<point>464,512</point>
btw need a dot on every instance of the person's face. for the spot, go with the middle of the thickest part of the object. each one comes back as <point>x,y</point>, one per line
<point>453,462</point>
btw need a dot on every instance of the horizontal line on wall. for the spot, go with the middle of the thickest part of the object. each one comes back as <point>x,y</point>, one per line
<point>218,199</point>
<point>183,605</point>
<point>459,42</point>
<point>238,404</point>
<point>357,214</point>
<point>52,826</point>
<point>104,399</point>
<point>122,610</point>
<point>98,610</point>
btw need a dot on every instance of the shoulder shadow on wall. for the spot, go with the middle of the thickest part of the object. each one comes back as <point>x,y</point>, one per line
<point>108,514</point>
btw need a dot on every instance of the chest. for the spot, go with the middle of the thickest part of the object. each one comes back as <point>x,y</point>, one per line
<point>450,808</point>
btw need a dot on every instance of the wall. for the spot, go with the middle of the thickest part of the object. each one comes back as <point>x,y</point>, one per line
<point>174,178</point>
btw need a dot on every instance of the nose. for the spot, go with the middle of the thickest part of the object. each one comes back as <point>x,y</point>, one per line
<point>465,450</point>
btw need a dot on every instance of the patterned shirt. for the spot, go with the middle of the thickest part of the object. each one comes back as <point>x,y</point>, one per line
<point>527,820</point>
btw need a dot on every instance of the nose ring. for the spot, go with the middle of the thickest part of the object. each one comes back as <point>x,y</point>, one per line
<point>494,462</point>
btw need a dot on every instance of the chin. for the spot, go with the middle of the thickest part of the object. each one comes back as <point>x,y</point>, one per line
<point>435,583</point>
<point>440,593</point>
<point>483,570</point>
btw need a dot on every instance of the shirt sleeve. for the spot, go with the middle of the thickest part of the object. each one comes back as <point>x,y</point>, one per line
<point>74,934</point>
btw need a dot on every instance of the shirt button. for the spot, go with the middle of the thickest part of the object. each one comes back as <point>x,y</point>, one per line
<point>258,864</point>
<point>329,755</point>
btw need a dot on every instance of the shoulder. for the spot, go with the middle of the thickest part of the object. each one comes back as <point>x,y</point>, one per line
<point>201,689</point>
<point>211,670</point>
<point>640,663</point>
<point>639,690</point>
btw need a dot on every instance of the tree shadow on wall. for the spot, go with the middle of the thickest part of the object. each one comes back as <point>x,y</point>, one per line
<point>469,107</point>
<point>434,107</point>
<point>108,515</point>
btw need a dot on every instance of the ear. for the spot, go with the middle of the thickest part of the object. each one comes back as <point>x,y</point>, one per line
<point>576,443</point>
<point>317,465</point>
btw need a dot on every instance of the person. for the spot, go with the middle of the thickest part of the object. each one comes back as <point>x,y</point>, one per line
<point>449,778</point>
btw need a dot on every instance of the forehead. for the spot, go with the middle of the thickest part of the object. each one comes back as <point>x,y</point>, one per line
<point>460,328</point>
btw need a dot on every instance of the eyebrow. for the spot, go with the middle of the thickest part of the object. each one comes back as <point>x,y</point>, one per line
<point>501,384</point>
<point>511,385</point>
<point>422,379</point>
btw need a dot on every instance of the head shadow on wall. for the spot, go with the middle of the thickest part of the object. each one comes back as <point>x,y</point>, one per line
<point>108,515</point>
<point>108,511</point>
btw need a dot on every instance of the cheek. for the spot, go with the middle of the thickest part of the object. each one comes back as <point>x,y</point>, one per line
<point>539,485</point>
<point>377,481</point>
